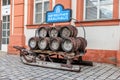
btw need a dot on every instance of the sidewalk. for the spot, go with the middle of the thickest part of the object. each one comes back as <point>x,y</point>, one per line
<point>12,69</point>
<point>2,53</point>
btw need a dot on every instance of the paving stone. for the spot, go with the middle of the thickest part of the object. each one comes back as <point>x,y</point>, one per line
<point>89,79</point>
<point>25,79</point>
<point>98,79</point>
<point>53,77</point>
<point>115,75</point>
<point>68,79</point>
<point>81,78</point>
<point>47,79</point>
<point>106,74</point>
<point>12,69</point>
<point>59,78</point>
<point>92,76</point>
<point>5,79</point>
<point>118,79</point>
<point>59,74</point>
<point>74,76</point>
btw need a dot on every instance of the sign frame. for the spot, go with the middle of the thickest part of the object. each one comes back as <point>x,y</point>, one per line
<point>64,15</point>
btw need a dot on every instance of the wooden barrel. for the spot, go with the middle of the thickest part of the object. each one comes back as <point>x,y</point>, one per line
<point>55,44</point>
<point>32,43</point>
<point>74,44</point>
<point>54,32</point>
<point>43,32</point>
<point>68,31</point>
<point>75,30</point>
<point>68,44</point>
<point>43,43</point>
<point>83,44</point>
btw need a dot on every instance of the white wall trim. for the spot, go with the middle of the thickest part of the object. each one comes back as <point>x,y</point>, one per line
<point>12,17</point>
<point>74,8</point>
<point>1,9</point>
<point>84,10</point>
<point>25,17</point>
<point>53,3</point>
<point>119,25</point>
<point>25,13</point>
<point>119,9</point>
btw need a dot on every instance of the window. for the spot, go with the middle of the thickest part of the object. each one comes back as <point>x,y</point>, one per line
<point>98,9</point>
<point>5,29</point>
<point>6,2</point>
<point>41,7</point>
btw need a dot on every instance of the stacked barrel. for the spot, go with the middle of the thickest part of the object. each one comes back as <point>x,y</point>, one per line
<point>58,39</point>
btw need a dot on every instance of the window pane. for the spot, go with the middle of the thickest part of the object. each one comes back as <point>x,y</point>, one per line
<point>4,18</point>
<point>37,0</point>
<point>3,33</point>
<point>8,18</point>
<point>8,2</point>
<point>106,11</point>
<point>4,2</point>
<point>4,40</point>
<point>44,17</point>
<point>91,2</point>
<point>91,13</point>
<point>4,26</point>
<point>8,25</point>
<point>8,33</point>
<point>7,40</point>
<point>46,6</point>
<point>38,18</point>
<point>38,7</point>
<point>106,1</point>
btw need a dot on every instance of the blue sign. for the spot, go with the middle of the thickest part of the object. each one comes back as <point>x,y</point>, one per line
<point>59,14</point>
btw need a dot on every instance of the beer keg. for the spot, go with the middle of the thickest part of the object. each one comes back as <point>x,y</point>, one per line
<point>68,31</point>
<point>54,32</point>
<point>55,44</point>
<point>74,44</point>
<point>32,43</point>
<point>43,43</point>
<point>43,32</point>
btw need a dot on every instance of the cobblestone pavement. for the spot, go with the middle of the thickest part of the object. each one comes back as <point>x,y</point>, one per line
<point>12,69</point>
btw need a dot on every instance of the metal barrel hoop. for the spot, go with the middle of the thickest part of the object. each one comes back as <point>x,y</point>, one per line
<point>78,43</point>
<point>75,31</point>
<point>73,40</point>
<point>72,30</point>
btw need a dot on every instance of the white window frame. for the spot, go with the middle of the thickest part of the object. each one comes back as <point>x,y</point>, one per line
<point>98,12</point>
<point>35,2</point>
